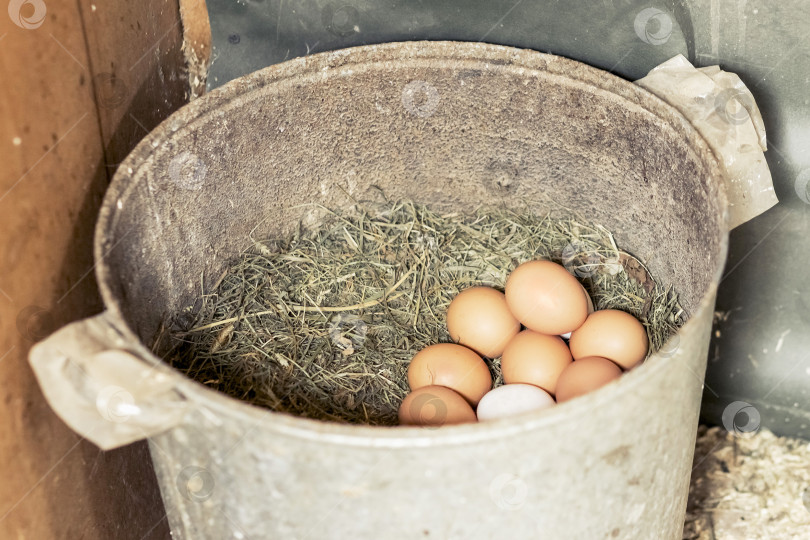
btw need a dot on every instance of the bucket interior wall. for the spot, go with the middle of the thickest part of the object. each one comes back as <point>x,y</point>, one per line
<point>457,126</point>
<point>471,133</point>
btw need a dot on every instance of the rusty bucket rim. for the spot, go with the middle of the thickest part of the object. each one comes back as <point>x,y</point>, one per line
<point>402,436</point>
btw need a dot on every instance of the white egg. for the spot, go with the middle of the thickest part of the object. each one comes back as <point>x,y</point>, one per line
<point>511,400</point>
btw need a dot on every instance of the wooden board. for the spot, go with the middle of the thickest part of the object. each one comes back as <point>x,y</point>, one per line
<point>80,84</point>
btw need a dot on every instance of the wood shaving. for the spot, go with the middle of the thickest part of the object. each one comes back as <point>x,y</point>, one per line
<point>748,487</point>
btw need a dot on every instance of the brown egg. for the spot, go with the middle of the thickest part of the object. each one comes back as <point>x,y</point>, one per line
<point>591,309</point>
<point>453,366</point>
<point>479,318</point>
<point>435,406</point>
<point>585,375</point>
<point>535,358</point>
<point>546,298</point>
<point>613,334</point>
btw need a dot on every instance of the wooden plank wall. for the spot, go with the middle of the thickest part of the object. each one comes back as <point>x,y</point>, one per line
<point>81,82</point>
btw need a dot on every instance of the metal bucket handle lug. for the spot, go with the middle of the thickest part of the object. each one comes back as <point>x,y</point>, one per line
<point>100,389</point>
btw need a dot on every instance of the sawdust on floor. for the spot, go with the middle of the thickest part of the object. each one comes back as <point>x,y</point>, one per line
<point>748,487</point>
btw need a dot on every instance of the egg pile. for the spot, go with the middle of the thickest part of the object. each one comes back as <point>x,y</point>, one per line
<point>552,344</point>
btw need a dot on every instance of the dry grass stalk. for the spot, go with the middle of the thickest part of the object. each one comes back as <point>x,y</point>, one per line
<point>324,324</point>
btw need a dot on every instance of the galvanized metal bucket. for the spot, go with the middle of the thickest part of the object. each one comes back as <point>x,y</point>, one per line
<point>455,125</point>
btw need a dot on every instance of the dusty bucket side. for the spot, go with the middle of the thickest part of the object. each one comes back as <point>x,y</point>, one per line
<point>508,126</point>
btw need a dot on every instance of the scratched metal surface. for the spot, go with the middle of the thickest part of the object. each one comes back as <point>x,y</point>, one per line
<point>231,470</point>
<point>761,350</point>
